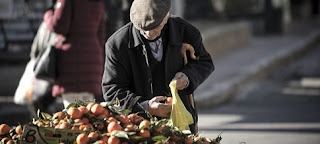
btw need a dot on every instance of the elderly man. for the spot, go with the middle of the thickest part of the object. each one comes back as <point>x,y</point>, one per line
<point>144,56</point>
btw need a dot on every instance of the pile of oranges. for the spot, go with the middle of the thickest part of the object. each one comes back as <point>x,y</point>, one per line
<point>106,124</point>
<point>10,136</point>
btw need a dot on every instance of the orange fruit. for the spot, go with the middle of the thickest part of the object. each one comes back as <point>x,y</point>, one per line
<point>19,129</point>
<point>78,120</point>
<point>129,127</point>
<point>63,125</point>
<point>161,128</point>
<point>111,119</point>
<point>85,120</point>
<point>106,112</point>
<point>113,140</point>
<point>74,113</point>
<point>144,133</point>
<point>145,124</point>
<point>104,139</point>
<point>102,116</point>
<point>85,127</point>
<point>113,126</point>
<point>93,135</point>
<point>75,128</point>
<point>188,140</point>
<point>59,114</point>
<point>132,117</point>
<point>89,106</point>
<point>169,100</point>
<point>100,142</point>
<point>100,127</point>
<point>124,119</point>
<point>10,142</point>
<point>97,109</point>
<point>82,139</point>
<point>83,109</point>
<point>5,140</point>
<point>175,138</point>
<point>4,129</point>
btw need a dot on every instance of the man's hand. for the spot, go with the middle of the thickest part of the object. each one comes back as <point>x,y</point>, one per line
<point>157,108</point>
<point>187,47</point>
<point>182,81</point>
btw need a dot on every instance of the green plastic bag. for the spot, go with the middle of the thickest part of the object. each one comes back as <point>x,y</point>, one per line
<point>180,117</point>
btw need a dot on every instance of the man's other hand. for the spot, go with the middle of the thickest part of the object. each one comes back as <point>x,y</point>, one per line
<point>182,81</point>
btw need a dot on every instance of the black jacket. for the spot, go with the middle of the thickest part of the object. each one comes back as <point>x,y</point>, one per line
<point>127,74</point>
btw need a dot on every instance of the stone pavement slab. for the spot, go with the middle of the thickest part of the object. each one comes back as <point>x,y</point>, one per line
<point>238,66</point>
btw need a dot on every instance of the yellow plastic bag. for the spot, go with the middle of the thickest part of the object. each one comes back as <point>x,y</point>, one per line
<point>180,117</point>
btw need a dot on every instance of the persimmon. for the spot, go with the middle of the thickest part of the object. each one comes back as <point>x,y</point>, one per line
<point>145,124</point>
<point>82,139</point>
<point>169,100</point>
<point>113,126</point>
<point>19,129</point>
<point>74,113</point>
<point>4,129</point>
<point>113,140</point>
<point>59,115</point>
<point>83,109</point>
<point>144,133</point>
<point>97,109</point>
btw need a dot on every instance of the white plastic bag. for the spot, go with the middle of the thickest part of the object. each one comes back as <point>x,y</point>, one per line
<point>25,84</point>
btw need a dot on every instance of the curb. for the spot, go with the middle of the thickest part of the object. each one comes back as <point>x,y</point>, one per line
<point>224,92</point>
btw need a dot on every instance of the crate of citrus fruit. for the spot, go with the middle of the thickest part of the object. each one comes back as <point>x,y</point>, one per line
<point>98,123</point>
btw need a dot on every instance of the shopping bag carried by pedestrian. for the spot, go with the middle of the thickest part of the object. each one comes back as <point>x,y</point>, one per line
<point>180,117</point>
<point>45,64</point>
<point>25,85</point>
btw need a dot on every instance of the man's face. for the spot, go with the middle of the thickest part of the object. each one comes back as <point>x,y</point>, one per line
<point>152,34</point>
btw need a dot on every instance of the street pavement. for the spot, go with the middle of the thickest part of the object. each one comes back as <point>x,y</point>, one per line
<point>283,108</point>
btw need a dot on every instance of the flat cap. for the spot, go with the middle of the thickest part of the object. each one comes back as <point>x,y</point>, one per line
<point>148,14</point>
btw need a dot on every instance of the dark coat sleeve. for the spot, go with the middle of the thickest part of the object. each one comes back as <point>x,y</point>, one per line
<point>59,19</point>
<point>115,81</point>
<point>196,70</point>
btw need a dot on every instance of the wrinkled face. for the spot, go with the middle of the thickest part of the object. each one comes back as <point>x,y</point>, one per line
<point>152,34</point>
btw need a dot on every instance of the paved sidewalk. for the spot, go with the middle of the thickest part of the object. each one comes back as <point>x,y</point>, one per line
<point>264,54</point>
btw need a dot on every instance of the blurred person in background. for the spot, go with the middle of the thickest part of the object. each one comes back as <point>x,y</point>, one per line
<point>82,28</point>
<point>144,56</point>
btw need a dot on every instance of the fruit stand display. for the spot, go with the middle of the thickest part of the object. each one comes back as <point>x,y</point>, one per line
<point>104,123</point>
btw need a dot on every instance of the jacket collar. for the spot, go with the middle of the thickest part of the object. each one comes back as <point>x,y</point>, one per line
<point>136,39</point>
